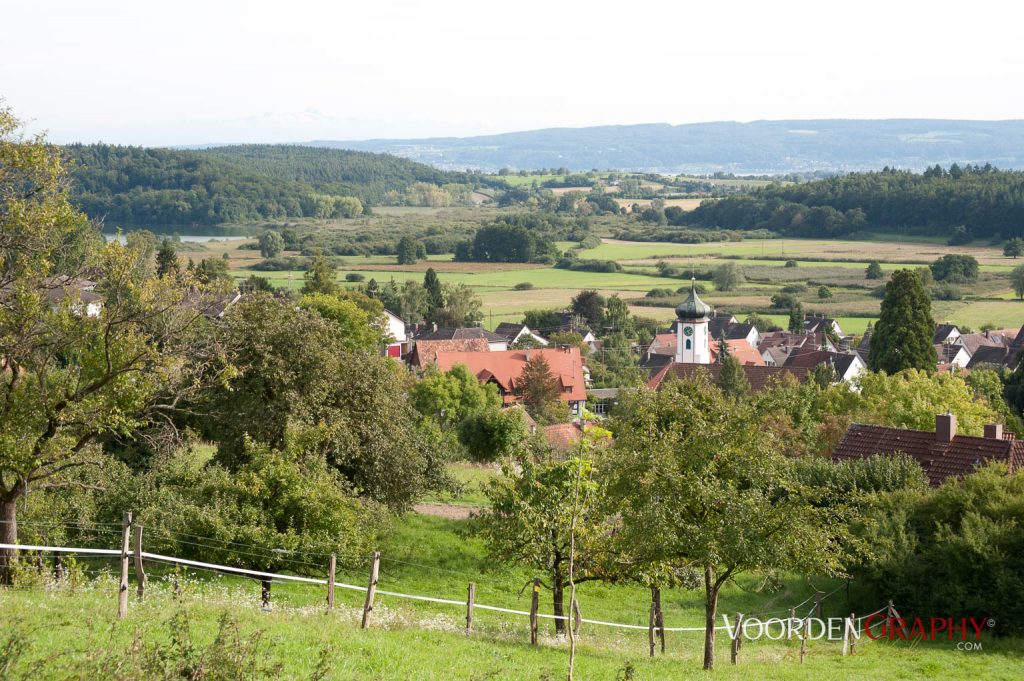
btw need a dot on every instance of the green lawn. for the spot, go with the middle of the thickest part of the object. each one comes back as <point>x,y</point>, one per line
<point>75,634</point>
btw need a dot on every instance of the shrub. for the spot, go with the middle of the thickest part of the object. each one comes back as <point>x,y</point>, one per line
<point>945,292</point>
<point>523,286</point>
<point>794,289</point>
<point>355,276</point>
<point>661,293</point>
<point>824,292</point>
<point>791,263</point>
<point>784,301</point>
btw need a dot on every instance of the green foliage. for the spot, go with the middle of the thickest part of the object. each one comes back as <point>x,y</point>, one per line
<point>728,502</point>
<point>292,380</point>
<point>321,277</point>
<point>451,396</point>
<point>589,306</point>
<point>824,292</point>
<point>982,200</point>
<point>167,259</point>
<point>542,322</point>
<point>796,319</point>
<point>409,251</point>
<point>355,277</point>
<point>874,270</point>
<point>289,500</point>
<point>1013,248</point>
<point>271,244</point>
<point>732,380</point>
<point>247,183</point>
<point>902,337</point>
<point>504,242</point>
<point>988,385</point>
<point>955,269</point>
<point>357,330</point>
<point>212,273</point>
<point>435,297</point>
<point>538,388</point>
<point>951,551</point>
<point>728,277</point>
<point>1017,281</point>
<point>537,512</point>
<point>784,301</point>
<point>523,286</point>
<point>493,434</point>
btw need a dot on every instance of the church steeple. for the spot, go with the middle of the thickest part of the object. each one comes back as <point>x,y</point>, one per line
<point>692,336</point>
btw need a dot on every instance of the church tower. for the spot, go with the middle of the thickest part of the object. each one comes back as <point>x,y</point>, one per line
<point>693,344</point>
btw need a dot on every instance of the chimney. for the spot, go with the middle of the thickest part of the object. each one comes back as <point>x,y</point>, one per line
<point>994,431</point>
<point>945,427</point>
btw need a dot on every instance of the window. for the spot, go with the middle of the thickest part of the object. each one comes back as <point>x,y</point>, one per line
<point>687,343</point>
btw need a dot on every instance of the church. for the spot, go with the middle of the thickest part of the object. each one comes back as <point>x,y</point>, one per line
<point>696,350</point>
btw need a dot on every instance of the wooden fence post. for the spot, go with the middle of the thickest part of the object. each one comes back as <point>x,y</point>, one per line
<point>846,636</point>
<point>736,637</point>
<point>265,593</point>
<point>470,599</point>
<point>576,617</point>
<point>332,566</point>
<point>650,625</point>
<point>371,590</point>
<point>659,618</point>
<point>126,537</point>
<point>534,608</point>
<point>803,639</point>
<point>140,572</point>
<point>853,633</point>
<point>818,597</point>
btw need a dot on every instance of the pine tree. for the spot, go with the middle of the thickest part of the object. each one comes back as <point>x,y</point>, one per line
<point>902,338</point>
<point>537,386</point>
<point>435,298</point>
<point>321,277</point>
<point>874,270</point>
<point>796,319</point>
<point>167,259</point>
<point>732,379</point>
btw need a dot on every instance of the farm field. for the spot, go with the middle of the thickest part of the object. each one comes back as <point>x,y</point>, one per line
<point>839,264</point>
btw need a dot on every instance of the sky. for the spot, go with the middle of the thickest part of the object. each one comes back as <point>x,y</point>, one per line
<point>187,72</point>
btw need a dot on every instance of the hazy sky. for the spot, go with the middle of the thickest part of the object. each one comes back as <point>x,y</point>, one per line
<point>191,72</point>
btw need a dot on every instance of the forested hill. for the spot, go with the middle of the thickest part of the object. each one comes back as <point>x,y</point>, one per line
<point>963,203</point>
<point>167,187</point>
<point>367,175</point>
<point>757,147</point>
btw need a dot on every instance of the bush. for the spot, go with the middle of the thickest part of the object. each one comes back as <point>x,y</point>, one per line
<point>661,293</point>
<point>355,276</point>
<point>874,270</point>
<point>784,301</point>
<point>699,288</point>
<point>523,286</point>
<point>945,292</point>
<point>824,292</point>
<point>794,289</point>
<point>791,263</point>
<point>290,262</point>
<point>728,277</point>
<point>955,269</point>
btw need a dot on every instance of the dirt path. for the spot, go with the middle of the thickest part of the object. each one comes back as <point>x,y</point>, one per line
<point>450,511</point>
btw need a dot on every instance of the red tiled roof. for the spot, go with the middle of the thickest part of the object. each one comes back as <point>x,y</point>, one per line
<point>940,460</point>
<point>562,435</point>
<point>759,377</point>
<point>505,367</point>
<point>425,351</point>
<point>740,348</point>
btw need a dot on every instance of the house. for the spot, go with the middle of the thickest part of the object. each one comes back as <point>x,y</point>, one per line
<point>503,368</point>
<point>424,352</point>
<point>945,333</point>
<point>759,377</point>
<point>952,354</point>
<point>513,332</point>
<point>941,453</point>
<point>396,329</point>
<point>495,342</point>
<point>82,293</point>
<point>787,342</point>
<point>814,323</point>
<point>601,400</point>
<point>990,356</point>
<point>847,366</point>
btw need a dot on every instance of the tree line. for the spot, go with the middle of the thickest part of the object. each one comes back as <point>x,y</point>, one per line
<point>984,201</point>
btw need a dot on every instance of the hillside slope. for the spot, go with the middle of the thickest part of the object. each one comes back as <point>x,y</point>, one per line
<point>755,147</point>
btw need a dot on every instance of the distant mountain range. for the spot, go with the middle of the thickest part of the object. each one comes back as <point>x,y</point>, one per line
<point>758,147</point>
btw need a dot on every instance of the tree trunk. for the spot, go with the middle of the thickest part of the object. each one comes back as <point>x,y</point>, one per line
<point>8,535</point>
<point>710,612</point>
<point>559,608</point>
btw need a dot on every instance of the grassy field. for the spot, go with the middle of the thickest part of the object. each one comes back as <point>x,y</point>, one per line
<point>60,633</point>
<point>840,264</point>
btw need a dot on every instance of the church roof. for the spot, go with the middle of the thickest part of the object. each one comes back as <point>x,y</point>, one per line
<point>693,307</point>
